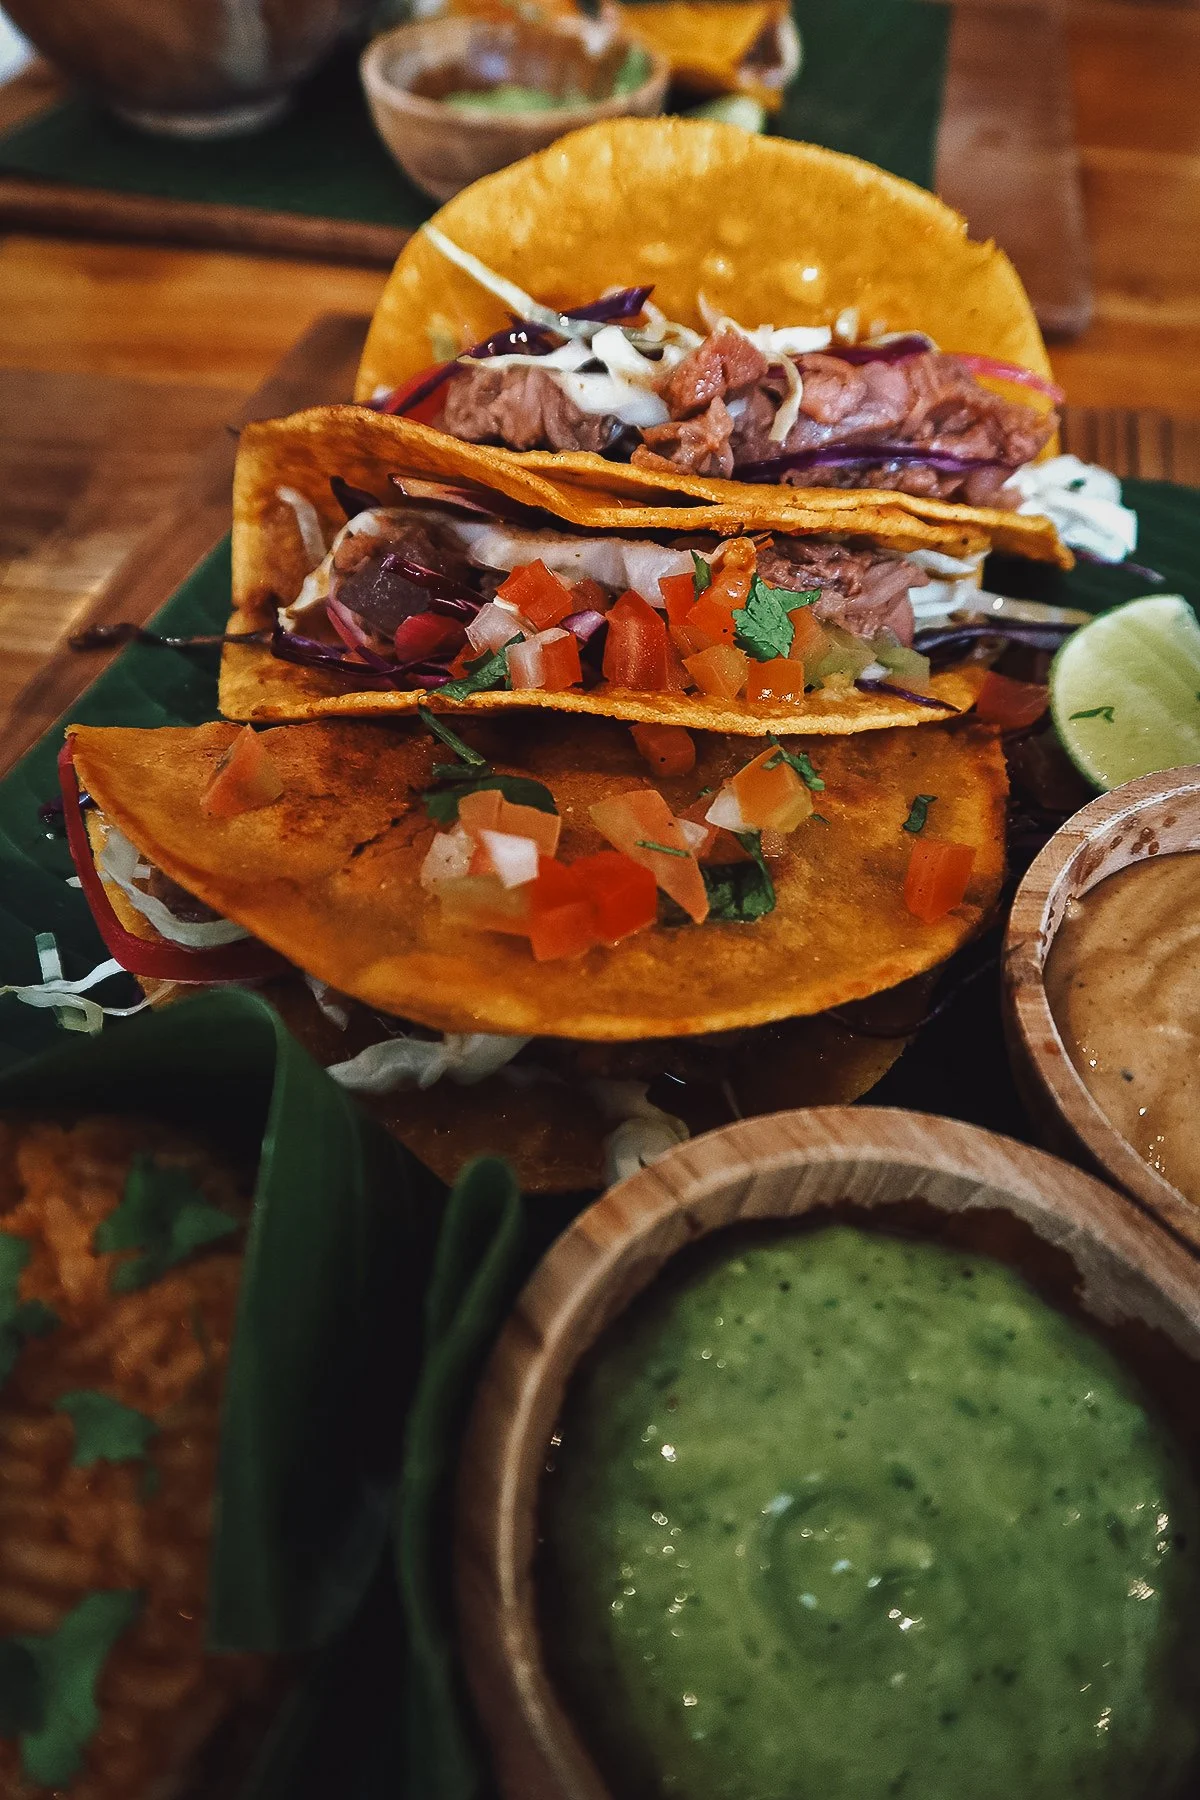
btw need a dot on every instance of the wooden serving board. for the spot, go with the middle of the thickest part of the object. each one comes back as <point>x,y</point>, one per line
<point>1006,159</point>
<point>110,492</point>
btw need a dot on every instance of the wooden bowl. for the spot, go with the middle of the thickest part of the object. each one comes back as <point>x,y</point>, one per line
<point>444,149</point>
<point>970,1186</point>
<point>1153,816</point>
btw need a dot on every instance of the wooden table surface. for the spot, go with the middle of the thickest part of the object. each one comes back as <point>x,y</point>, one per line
<point>172,341</point>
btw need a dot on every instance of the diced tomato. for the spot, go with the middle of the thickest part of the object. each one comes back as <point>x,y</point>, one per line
<point>1010,704</point>
<point>721,670</point>
<point>427,634</point>
<point>481,903</point>
<point>245,778</point>
<point>635,655</point>
<point>678,679</point>
<point>524,663</point>
<point>563,931</point>
<point>779,679</point>
<point>561,667</point>
<point>527,821</point>
<point>809,641</point>
<point>459,665</point>
<point>771,794</point>
<point>709,622</point>
<point>937,877</point>
<point>623,894</point>
<point>667,748</point>
<point>480,811</point>
<point>588,596</point>
<point>679,595</point>
<point>538,595</point>
<point>737,560</point>
<point>636,822</point>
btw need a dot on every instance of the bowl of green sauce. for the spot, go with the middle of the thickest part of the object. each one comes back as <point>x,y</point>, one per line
<point>846,1453</point>
<point>456,98</point>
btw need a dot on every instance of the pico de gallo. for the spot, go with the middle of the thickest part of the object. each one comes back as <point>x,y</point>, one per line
<point>456,599</point>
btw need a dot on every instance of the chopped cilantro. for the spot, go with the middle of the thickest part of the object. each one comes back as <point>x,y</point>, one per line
<point>48,1684</point>
<point>740,892</point>
<point>472,758</point>
<point>485,672</point>
<point>798,760</point>
<point>663,849</point>
<point>918,813</point>
<point>818,818</point>
<point>1096,712</point>
<point>703,576</point>
<point>105,1431</point>
<point>1077,486</point>
<point>162,1214</point>
<point>762,626</point>
<point>442,803</point>
<point>19,1319</point>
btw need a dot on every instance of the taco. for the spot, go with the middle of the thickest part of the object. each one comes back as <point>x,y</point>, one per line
<point>605,301</point>
<point>722,46</point>
<point>639,917</point>
<point>367,588</point>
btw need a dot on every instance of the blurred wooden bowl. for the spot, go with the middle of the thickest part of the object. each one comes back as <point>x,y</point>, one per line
<point>1153,816</point>
<point>407,72</point>
<point>1065,1229</point>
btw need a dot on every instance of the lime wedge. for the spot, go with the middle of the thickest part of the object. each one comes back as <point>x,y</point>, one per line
<point>1125,691</point>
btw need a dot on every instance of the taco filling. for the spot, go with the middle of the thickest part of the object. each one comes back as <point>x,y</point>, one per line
<point>809,406</point>
<point>420,595</point>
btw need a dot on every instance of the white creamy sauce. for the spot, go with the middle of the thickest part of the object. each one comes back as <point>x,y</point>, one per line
<point>1084,503</point>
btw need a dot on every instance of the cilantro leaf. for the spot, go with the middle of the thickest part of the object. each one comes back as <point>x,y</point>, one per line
<point>703,575</point>
<point>798,760</point>
<point>60,1712</point>
<point>442,803</point>
<point>105,1430</point>
<point>918,813</point>
<point>473,759</point>
<point>762,626</point>
<point>485,672</point>
<point>1097,712</point>
<point>163,1214</point>
<point>19,1319</point>
<point>740,891</point>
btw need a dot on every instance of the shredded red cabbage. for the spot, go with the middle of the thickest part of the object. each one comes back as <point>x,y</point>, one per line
<point>1138,569</point>
<point>624,305</point>
<point>352,500</point>
<point>898,350</point>
<point>870,686</point>
<point>372,674</point>
<point>447,596</point>
<point>945,642</point>
<point>848,456</point>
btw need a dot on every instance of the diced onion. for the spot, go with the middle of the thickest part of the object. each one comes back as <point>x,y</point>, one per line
<point>525,664</point>
<point>515,859</point>
<point>726,811</point>
<point>495,625</point>
<point>308,523</point>
<point>694,835</point>
<point>447,858</point>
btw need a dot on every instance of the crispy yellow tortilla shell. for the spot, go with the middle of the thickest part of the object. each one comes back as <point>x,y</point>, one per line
<point>709,43</point>
<point>770,230</point>
<point>328,874</point>
<point>270,562</point>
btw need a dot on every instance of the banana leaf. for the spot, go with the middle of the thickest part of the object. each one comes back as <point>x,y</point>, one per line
<point>329,1316</point>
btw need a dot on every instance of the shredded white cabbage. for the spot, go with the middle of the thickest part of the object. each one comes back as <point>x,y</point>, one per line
<point>625,388</point>
<point>954,588</point>
<point>616,562</point>
<point>789,409</point>
<point>119,862</point>
<point>404,1062</point>
<point>315,590</point>
<point>332,1008</point>
<point>308,523</point>
<point>1083,501</point>
<point>515,298</point>
<point>69,998</point>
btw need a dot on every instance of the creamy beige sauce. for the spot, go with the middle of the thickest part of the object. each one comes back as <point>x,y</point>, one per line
<point>1123,982</point>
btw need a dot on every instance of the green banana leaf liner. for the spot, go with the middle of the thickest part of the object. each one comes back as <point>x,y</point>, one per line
<point>329,1312</point>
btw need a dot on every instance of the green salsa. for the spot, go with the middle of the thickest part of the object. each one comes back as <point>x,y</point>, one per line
<point>845,1516</point>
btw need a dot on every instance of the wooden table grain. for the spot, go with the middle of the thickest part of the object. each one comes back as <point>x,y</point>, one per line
<point>179,338</point>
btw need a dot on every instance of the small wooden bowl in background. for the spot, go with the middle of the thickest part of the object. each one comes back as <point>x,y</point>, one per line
<point>1153,816</point>
<point>1062,1227</point>
<point>442,148</point>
